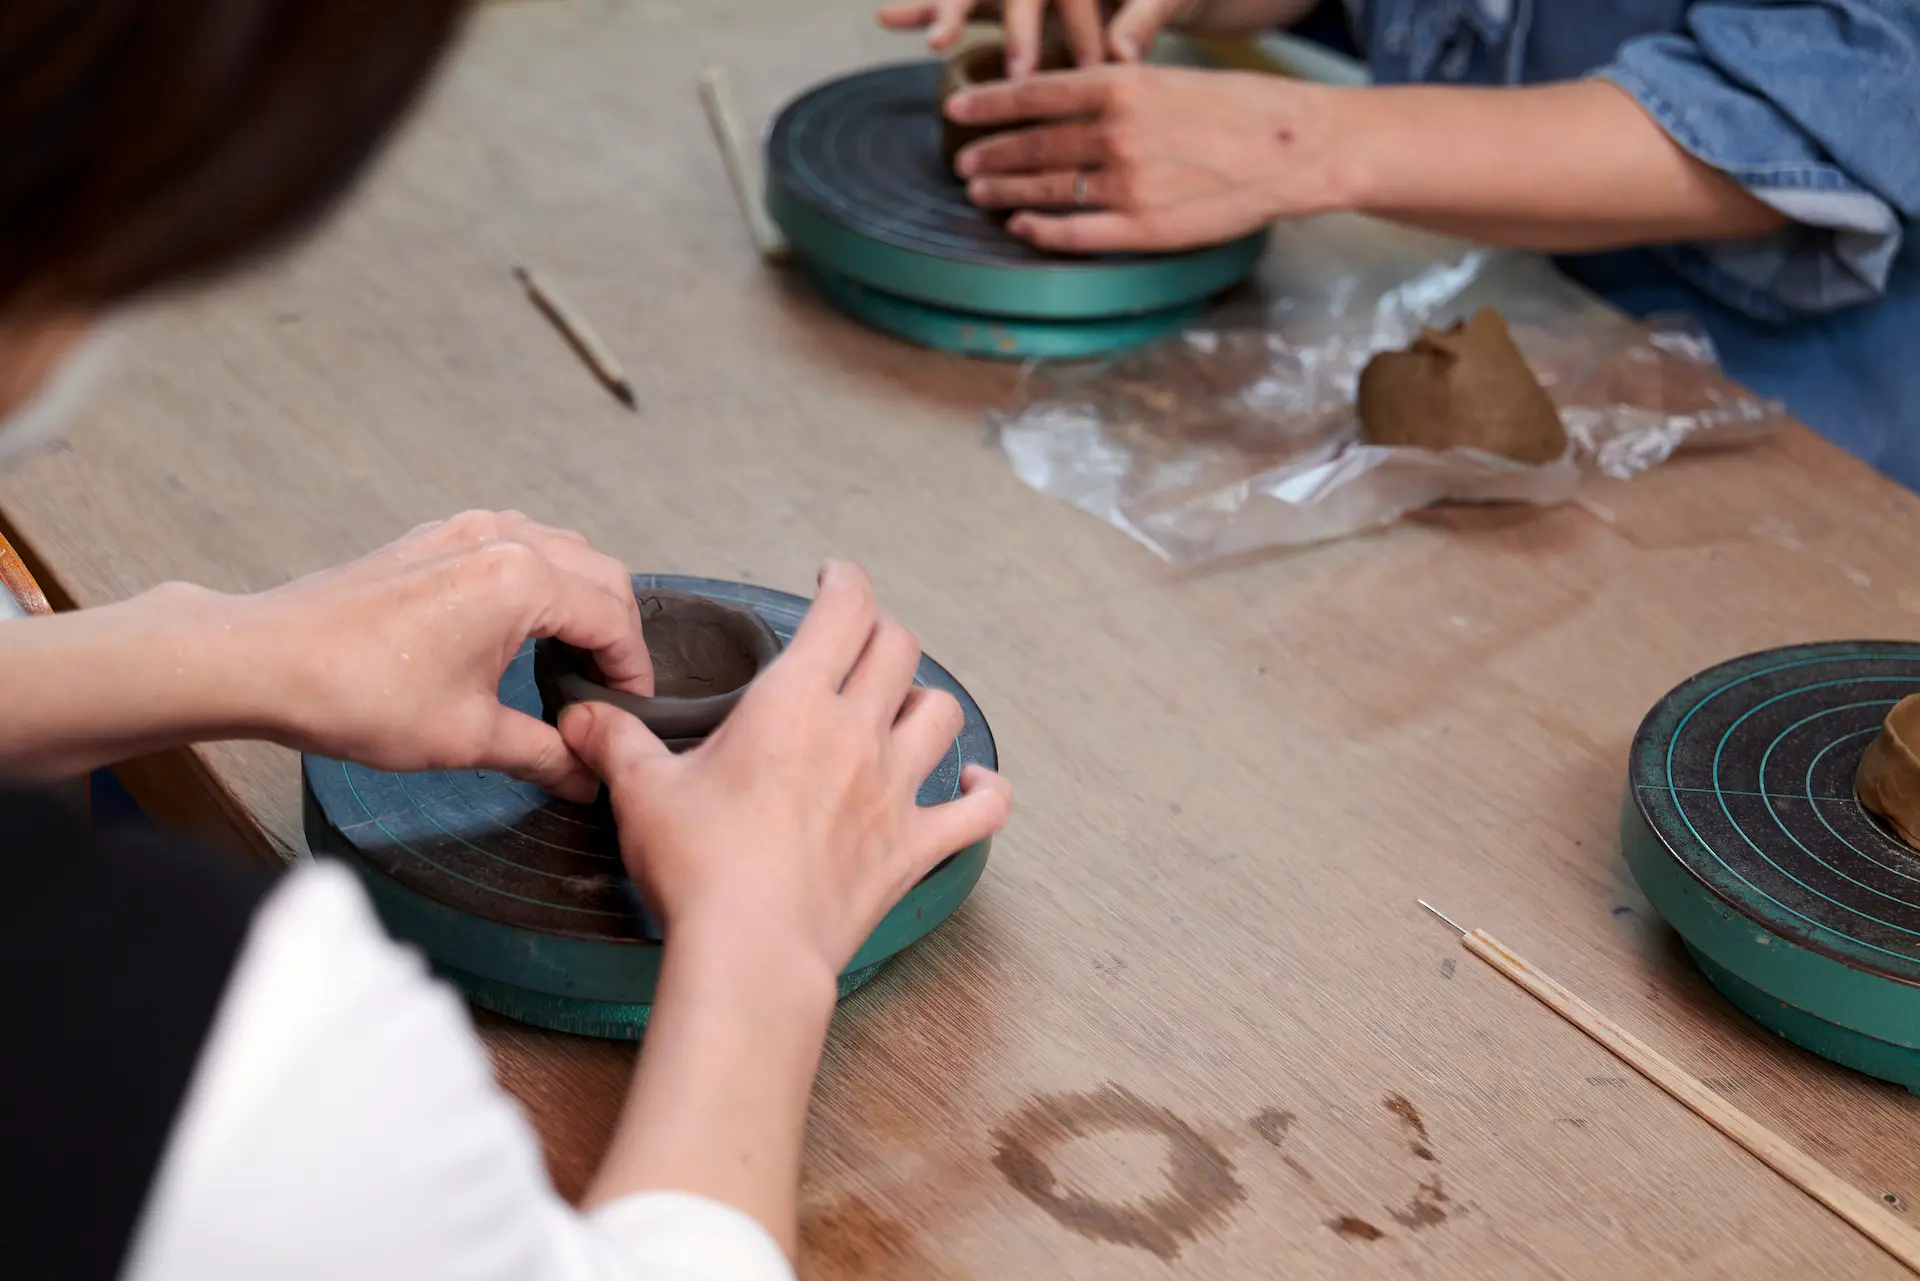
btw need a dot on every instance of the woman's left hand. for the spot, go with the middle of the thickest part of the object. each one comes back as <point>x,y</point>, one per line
<point>396,658</point>
<point>1149,158</point>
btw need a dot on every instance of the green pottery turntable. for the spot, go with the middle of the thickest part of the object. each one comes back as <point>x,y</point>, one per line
<point>522,900</point>
<point>857,183</point>
<point>1742,828</point>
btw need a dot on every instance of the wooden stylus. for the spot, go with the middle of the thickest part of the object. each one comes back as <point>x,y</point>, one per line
<point>574,327</point>
<point>1799,1169</point>
<point>743,166</point>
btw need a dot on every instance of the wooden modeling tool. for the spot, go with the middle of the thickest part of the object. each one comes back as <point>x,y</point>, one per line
<point>1818,1182</point>
<point>743,165</point>
<point>579,334</point>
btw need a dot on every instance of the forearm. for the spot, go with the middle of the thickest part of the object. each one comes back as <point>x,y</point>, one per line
<point>1559,168</point>
<point>719,1100</point>
<point>90,687</point>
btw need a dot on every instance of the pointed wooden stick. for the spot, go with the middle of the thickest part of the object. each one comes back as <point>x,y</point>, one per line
<point>742,160</point>
<point>1823,1185</point>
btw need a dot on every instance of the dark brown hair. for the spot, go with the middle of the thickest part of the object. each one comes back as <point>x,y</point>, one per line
<point>146,143</point>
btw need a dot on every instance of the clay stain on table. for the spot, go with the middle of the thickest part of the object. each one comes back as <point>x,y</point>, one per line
<point>1354,1229</point>
<point>1202,1191</point>
<point>1416,1129</point>
<point>1427,1208</point>
<point>1273,1126</point>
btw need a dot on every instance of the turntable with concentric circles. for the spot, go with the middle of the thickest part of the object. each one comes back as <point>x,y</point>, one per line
<point>522,899</point>
<point>857,183</point>
<point>1742,828</point>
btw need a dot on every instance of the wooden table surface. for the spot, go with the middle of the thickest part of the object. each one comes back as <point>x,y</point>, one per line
<point>1192,1022</point>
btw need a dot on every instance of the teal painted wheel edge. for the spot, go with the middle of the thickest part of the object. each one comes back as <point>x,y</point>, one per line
<point>1862,1053</point>
<point>997,338</point>
<point>1075,290</point>
<point>581,970</point>
<point>926,905</point>
<point>608,1020</point>
<point>1816,987</point>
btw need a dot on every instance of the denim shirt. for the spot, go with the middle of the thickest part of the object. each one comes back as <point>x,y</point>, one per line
<point>1812,105</point>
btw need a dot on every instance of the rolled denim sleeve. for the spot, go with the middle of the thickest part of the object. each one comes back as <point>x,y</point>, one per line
<point>1814,108</point>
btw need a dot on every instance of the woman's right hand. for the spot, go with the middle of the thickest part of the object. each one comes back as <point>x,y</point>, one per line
<point>1095,29</point>
<point>795,825</point>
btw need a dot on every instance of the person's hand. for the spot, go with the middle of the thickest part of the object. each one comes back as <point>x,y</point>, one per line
<point>795,825</point>
<point>1161,158</point>
<point>1096,30</point>
<point>1082,21</point>
<point>396,658</point>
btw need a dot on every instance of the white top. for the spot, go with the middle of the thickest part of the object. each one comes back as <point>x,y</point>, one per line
<point>343,1123</point>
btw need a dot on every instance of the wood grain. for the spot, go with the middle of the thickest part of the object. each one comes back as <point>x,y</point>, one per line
<point>1197,947</point>
<point>1872,1218</point>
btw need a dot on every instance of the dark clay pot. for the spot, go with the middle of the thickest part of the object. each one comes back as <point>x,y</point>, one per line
<point>705,654</point>
<point>983,64</point>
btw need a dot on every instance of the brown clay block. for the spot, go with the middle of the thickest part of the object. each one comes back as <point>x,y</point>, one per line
<point>983,64</point>
<point>1463,387</point>
<point>1888,781</point>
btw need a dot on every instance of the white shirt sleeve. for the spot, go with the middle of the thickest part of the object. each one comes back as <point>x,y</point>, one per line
<point>343,1122</point>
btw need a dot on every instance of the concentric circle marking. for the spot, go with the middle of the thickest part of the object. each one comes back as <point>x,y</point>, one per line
<point>1745,775</point>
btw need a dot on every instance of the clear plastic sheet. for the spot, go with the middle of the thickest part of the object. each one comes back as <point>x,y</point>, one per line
<point>1242,435</point>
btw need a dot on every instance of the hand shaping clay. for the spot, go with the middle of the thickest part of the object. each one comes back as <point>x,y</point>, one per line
<point>1463,387</point>
<point>982,64</point>
<point>705,653</point>
<point>1888,781</point>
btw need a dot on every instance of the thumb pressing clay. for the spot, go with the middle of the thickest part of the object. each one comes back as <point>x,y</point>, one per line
<point>1463,387</point>
<point>1888,782</point>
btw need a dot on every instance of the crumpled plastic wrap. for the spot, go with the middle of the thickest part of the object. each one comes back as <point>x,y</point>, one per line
<point>1242,435</point>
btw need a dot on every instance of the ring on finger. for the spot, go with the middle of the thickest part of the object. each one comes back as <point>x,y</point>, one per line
<point>1079,188</point>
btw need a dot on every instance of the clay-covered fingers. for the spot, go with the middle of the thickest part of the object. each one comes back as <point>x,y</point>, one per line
<point>833,635</point>
<point>611,743</point>
<point>582,599</point>
<point>929,721</point>
<point>534,752</point>
<point>982,808</point>
<point>882,677</point>
<point>621,654</point>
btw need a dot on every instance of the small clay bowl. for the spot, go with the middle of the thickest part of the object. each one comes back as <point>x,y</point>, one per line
<point>983,64</point>
<point>705,654</point>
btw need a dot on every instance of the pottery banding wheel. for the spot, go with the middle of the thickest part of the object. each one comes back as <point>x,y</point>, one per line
<point>857,182</point>
<point>1742,827</point>
<point>522,900</point>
